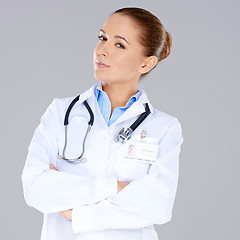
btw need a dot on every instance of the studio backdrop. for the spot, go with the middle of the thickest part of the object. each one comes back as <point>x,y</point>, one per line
<point>46,51</point>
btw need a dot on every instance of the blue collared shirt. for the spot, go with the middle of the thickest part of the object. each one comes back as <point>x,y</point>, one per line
<point>105,105</point>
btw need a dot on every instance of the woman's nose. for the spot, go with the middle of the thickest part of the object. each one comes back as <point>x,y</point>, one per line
<point>102,51</point>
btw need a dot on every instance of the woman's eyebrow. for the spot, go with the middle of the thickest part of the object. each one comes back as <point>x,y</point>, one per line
<point>116,36</point>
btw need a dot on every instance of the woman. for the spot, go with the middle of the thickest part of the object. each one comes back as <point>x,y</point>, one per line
<point>109,194</point>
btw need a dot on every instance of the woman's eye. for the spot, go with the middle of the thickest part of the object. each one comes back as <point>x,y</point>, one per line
<point>102,38</point>
<point>120,45</point>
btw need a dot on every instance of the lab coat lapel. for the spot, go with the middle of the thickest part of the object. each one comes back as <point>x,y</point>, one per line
<point>131,112</point>
<point>136,109</point>
<point>87,94</point>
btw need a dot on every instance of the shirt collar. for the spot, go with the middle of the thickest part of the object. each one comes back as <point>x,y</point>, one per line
<point>98,91</point>
<point>90,93</point>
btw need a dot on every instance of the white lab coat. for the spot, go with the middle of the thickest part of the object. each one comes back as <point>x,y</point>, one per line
<point>90,188</point>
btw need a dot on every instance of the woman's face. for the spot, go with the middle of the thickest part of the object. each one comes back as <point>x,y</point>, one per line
<point>119,49</point>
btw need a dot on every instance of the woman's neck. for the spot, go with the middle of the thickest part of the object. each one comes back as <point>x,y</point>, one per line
<point>119,94</point>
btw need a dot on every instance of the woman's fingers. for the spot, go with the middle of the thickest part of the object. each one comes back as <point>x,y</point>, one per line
<point>67,214</point>
<point>52,167</point>
<point>122,185</point>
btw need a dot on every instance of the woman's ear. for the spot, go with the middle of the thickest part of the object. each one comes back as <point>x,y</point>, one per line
<point>149,63</point>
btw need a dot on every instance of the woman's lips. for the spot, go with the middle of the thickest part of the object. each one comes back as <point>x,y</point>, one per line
<point>100,64</point>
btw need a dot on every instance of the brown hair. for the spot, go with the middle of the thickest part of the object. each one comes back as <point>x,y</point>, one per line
<point>156,41</point>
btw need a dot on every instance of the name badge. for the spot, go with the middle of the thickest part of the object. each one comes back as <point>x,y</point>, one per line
<point>141,151</point>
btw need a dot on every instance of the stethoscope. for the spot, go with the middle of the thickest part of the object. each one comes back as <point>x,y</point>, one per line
<point>122,135</point>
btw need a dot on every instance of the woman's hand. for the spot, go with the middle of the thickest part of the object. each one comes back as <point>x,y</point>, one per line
<point>68,213</point>
<point>52,167</point>
<point>121,185</point>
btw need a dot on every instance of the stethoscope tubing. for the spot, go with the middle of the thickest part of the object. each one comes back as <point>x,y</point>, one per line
<point>90,123</point>
<point>122,136</point>
<point>75,160</point>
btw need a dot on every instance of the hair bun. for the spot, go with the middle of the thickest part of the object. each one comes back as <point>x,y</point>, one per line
<point>167,46</point>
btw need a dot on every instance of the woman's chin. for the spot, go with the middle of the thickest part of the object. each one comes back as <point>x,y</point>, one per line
<point>101,76</point>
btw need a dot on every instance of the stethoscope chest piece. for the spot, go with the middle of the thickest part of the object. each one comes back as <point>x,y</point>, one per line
<point>77,160</point>
<point>83,159</point>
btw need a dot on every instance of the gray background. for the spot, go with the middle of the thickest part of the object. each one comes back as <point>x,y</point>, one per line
<point>46,50</point>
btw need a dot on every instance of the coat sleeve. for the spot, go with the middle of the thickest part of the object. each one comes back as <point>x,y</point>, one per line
<point>49,190</point>
<point>145,201</point>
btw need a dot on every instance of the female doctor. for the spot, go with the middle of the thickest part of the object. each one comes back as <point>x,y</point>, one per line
<point>105,165</point>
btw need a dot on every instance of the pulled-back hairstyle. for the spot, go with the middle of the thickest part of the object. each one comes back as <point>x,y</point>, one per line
<point>156,41</point>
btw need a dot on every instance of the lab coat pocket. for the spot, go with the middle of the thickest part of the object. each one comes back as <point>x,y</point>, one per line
<point>129,170</point>
<point>135,158</point>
